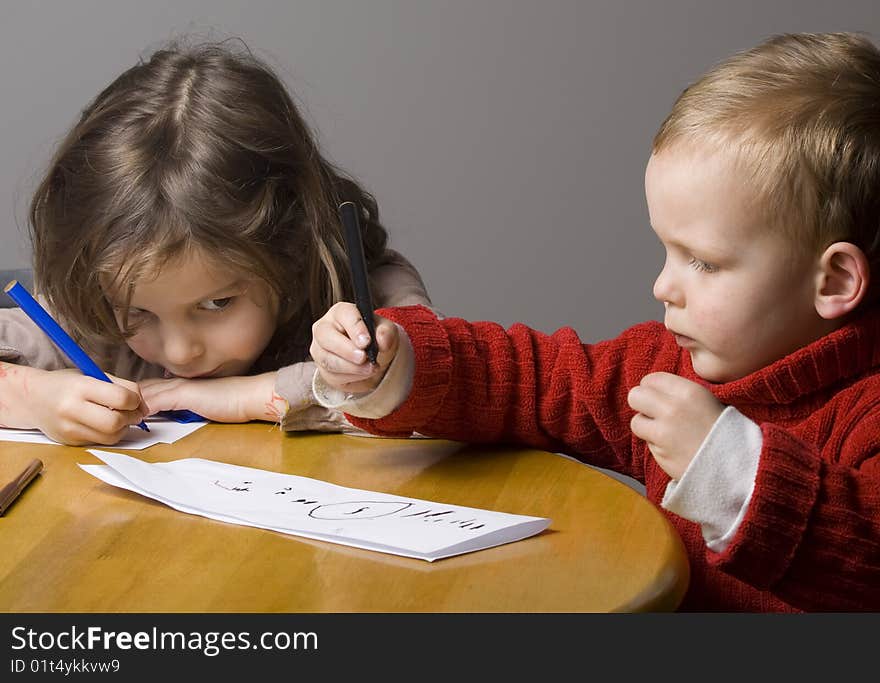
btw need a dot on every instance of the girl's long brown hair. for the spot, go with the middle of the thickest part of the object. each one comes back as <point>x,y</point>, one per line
<point>197,148</point>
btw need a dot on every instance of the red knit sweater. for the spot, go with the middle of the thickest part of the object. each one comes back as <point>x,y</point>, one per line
<point>810,539</point>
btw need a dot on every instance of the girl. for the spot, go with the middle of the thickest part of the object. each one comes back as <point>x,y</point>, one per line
<point>186,233</point>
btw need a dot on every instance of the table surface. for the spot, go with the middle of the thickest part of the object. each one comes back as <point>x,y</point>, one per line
<point>72,543</point>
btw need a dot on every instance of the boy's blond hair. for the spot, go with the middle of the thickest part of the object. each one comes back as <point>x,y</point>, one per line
<point>801,112</point>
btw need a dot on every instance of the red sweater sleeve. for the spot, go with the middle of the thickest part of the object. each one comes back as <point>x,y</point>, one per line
<point>812,531</point>
<point>477,382</point>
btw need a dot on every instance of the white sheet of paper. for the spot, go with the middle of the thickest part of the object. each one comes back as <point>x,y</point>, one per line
<point>315,509</point>
<point>162,430</point>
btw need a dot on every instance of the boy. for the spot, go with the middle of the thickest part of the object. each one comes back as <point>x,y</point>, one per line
<point>752,415</point>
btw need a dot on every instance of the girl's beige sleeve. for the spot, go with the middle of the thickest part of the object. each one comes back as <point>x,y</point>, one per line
<point>396,282</point>
<point>23,343</point>
<point>294,384</point>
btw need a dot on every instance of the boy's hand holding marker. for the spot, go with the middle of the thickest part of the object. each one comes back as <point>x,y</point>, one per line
<point>673,414</point>
<point>351,346</point>
<point>339,342</point>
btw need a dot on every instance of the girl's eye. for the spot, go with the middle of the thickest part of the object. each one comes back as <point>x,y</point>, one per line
<point>216,304</point>
<point>134,318</point>
<point>702,265</point>
<point>136,315</point>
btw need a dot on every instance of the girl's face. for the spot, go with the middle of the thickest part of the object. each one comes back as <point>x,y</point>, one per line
<point>197,319</point>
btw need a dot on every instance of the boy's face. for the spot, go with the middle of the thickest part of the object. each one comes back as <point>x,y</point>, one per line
<point>738,295</point>
<point>197,320</point>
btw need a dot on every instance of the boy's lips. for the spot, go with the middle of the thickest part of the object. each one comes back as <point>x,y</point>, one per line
<point>682,340</point>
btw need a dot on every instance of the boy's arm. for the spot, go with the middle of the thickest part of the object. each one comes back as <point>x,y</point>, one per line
<point>716,488</point>
<point>811,532</point>
<point>714,491</point>
<point>394,282</point>
<point>777,515</point>
<point>477,382</point>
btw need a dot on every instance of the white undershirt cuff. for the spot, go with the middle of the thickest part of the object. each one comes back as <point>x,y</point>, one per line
<point>391,392</point>
<point>716,488</point>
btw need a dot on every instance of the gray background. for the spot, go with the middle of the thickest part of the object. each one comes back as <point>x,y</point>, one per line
<point>505,140</point>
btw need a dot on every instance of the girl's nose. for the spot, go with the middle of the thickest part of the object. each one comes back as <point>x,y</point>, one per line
<point>181,347</point>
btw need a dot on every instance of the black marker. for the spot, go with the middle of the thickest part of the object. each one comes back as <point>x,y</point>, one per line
<point>351,229</point>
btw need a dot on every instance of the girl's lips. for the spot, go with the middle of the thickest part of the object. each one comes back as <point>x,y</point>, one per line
<point>171,375</point>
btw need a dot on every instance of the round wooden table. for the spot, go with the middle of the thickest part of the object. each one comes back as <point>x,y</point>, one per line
<point>72,543</point>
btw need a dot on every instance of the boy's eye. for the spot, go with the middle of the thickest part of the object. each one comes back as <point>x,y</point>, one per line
<point>216,304</point>
<point>702,265</point>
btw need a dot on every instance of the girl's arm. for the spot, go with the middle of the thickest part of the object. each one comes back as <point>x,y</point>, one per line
<point>68,406</point>
<point>302,412</point>
<point>36,392</point>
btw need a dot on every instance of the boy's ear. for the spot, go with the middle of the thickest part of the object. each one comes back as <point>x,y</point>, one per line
<point>842,280</point>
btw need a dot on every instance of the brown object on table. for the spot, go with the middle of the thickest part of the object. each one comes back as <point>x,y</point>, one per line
<point>81,545</point>
<point>13,489</point>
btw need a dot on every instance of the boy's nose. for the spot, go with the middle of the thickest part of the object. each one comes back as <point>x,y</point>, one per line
<point>665,289</point>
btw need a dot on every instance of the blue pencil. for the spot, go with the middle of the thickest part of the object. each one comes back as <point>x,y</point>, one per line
<point>62,340</point>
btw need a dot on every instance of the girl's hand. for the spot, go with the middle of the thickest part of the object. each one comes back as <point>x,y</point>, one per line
<point>221,399</point>
<point>673,416</point>
<point>68,406</point>
<point>338,343</point>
